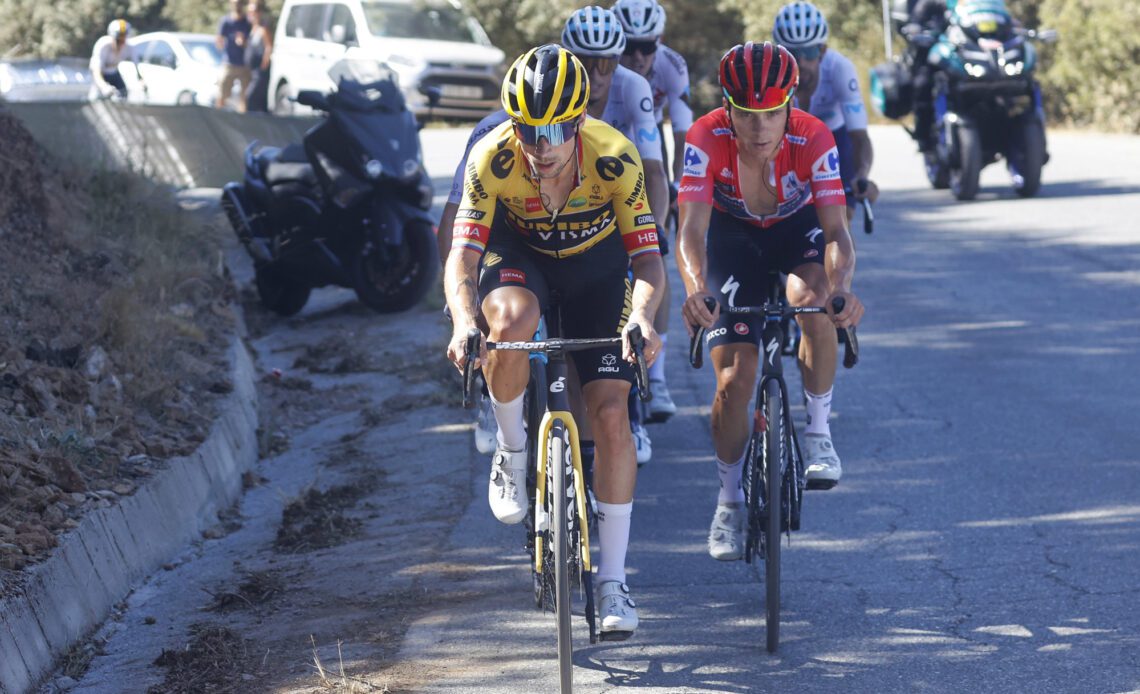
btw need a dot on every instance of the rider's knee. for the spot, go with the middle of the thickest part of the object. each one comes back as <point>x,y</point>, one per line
<point>511,318</point>
<point>734,383</point>
<point>610,417</point>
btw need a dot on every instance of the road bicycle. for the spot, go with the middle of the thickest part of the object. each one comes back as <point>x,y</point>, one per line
<point>773,474</point>
<point>557,523</point>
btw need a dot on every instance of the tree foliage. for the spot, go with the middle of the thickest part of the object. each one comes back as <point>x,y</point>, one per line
<point>1089,77</point>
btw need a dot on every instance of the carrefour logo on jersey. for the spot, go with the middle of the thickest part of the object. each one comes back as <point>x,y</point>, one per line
<point>826,168</point>
<point>696,161</point>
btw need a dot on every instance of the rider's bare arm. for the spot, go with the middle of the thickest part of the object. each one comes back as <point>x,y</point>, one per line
<point>692,259</point>
<point>657,189</point>
<point>864,155</point>
<point>648,284</point>
<point>839,261</point>
<point>443,234</point>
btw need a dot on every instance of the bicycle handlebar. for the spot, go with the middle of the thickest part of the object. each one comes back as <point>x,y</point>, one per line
<point>696,342</point>
<point>636,341</point>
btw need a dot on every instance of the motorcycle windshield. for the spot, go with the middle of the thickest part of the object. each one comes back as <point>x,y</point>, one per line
<point>366,86</point>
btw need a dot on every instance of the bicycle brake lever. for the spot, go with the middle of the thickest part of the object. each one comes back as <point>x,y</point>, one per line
<point>697,341</point>
<point>851,345</point>
<point>641,370</point>
<point>471,351</point>
<point>868,217</point>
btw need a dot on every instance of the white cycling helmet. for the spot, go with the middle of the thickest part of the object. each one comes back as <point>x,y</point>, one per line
<point>642,20</point>
<point>118,27</point>
<point>799,25</point>
<point>594,32</point>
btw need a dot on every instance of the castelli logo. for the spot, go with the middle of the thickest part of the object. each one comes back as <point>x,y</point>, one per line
<point>741,328</point>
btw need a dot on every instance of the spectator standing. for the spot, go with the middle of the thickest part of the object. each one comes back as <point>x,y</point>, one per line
<point>233,34</point>
<point>258,50</point>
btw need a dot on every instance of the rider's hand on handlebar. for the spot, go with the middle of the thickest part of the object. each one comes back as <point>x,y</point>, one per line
<point>865,188</point>
<point>852,309</point>
<point>652,340</point>
<point>696,313</point>
<point>456,349</point>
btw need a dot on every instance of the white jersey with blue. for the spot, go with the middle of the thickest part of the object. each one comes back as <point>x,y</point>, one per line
<point>629,109</point>
<point>484,126</point>
<point>837,100</point>
<point>669,79</point>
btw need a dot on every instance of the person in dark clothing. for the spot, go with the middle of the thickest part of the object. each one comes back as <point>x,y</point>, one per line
<point>927,20</point>
<point>257,55</point>
<point>233,34</point>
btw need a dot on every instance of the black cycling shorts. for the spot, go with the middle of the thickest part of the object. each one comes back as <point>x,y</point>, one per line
<point>594,293</point>
<point>740,258</point>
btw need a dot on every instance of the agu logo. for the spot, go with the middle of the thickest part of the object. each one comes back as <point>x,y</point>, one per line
<point>740,328</point>
<point>609,364</point>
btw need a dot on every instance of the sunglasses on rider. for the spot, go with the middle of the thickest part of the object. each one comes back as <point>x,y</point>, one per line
<point>780,105</point>
<point>805,53</point>
<point>555,133</point>
<point>602,66</point>
<point>642,47</point>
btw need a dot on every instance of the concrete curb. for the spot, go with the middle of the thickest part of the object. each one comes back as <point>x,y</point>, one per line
<point>96,565</point>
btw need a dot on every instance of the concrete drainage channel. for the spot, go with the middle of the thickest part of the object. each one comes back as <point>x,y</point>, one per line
<point>113,548</point>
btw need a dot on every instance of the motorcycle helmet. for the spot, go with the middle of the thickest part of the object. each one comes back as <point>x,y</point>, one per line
<point>545,86</point>
<point>641,20</point>
<point>758,77</point>
<point>594,32</point>
<point>800,25</point>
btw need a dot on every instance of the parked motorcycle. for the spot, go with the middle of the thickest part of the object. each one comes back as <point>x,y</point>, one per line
<point>987,103</point>
<point>348,206</point>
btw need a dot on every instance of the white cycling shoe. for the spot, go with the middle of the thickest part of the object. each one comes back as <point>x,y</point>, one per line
<point>726,535</point>
<point>821,462</point>
<point>505,489</point>
<point>617,610</point>
<point>486,427</point>
<point>661,407</point>
<point>642,444</point>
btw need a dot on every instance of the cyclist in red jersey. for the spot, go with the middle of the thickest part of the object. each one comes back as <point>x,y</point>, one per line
<point>762,190</point>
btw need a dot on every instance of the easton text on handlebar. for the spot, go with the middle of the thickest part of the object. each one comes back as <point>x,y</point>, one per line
<point>775,311</point>
<point>557,345</point>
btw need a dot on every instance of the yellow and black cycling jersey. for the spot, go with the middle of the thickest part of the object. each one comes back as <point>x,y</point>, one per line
<point>609,196</point>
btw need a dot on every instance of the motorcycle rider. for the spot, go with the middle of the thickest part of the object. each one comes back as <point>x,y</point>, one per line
<point>108,52</point>
<point>829,90</point>
<point>927,20</point>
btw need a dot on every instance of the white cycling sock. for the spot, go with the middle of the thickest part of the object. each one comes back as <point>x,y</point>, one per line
<point>818,412</point>
<point>509,416</point>
<point>657,371</point>
<point>731,476</point>
<point>613,539</point>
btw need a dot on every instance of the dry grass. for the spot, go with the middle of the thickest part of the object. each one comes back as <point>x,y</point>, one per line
<point>341,681</point>
<point>215,660</point>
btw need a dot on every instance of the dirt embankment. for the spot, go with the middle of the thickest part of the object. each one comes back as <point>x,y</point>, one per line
<point>114,322</point>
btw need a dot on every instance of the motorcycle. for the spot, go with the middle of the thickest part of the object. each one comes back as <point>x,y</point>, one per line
<point>348,206</point>
<point>987,103</point>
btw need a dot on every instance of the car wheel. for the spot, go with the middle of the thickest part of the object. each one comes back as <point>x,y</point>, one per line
<point>185,99</point>
<point>282,100</point>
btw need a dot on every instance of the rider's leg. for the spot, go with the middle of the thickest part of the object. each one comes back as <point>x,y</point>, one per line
<point>512,314</point>
<point>735,366</point>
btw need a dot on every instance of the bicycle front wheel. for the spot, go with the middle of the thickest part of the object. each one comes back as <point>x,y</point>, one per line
<point>774,489</point>
<point>557,465</point>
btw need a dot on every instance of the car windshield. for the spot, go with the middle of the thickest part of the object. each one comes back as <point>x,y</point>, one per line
<point>439,21</point>
<point>204,52</point>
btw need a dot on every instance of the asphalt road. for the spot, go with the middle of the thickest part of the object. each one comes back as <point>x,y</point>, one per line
<point>985,535</point>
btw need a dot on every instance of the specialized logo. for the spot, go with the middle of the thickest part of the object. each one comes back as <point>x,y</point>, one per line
<point>533,205</point>
<point>740,328</point>
<point>696,161</point>
<point>812,235</point>
<point>512,275</point>
<point>637,190</point>
<point>470,214</point>
<point>491,259</point>
<point>611,168</point>
<point>643,219</point>
<point>826,168</point>
<point>772,348</point>
<point>502,163</point>
<point>715,333</point>
<point>729,288</point>
<point>559,385</point>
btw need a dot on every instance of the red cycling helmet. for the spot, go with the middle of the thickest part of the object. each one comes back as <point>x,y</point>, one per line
<point>758,77</point>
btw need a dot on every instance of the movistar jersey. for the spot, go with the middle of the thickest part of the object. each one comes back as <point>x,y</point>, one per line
<point>837,100</point>
<point>608,196</point>
<point>669,79</point>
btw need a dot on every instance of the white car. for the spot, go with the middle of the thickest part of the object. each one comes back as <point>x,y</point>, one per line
<point>178,68</point>
<point>428,43</point>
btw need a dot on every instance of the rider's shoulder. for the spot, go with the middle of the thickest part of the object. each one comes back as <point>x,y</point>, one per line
<point>804,128</point>
<point>492,140</point>
<point>675,59</point>
<point>600,139</point>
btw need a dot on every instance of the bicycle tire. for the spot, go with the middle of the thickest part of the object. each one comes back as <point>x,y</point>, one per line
<point>559,522</point>
<point>753,497</point>
<point>534,408</point>
<point>774,454</point>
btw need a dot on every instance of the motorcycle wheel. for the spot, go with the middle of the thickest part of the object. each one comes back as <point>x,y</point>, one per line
<point>964,177</point>
<point>1032,157</point>
<point>936,171</point>
<point>278,294</point>
<point>389,280</point>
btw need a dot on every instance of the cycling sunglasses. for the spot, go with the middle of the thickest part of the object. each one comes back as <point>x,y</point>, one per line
<point>778,106</point>
<point>805,53</point>
<point>602,66</point>
<point>555,134</point>
<point>642,47</point>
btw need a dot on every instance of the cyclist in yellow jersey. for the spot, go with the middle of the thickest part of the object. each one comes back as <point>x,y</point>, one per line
<point>554,203</point>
